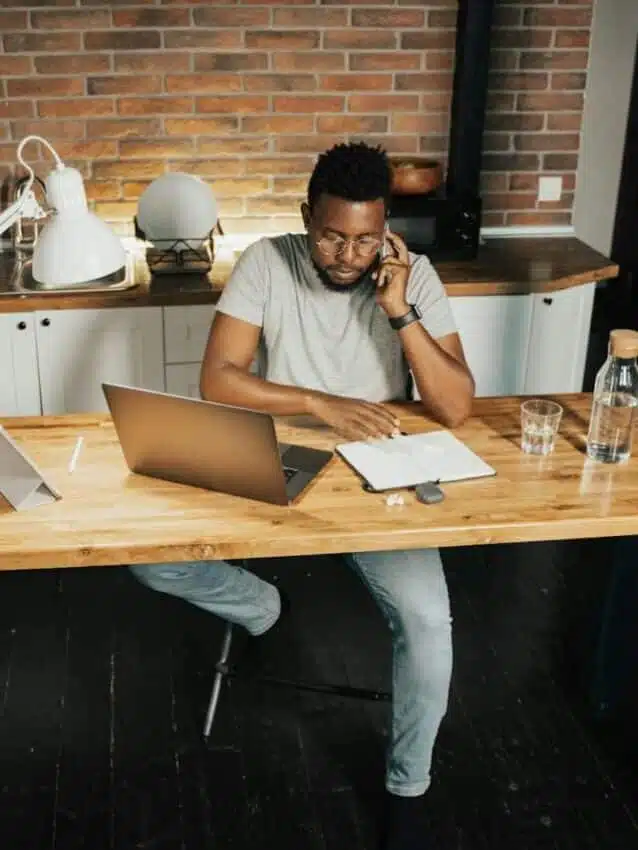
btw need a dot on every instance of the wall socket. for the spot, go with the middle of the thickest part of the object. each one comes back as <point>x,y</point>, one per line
<point>550,188</point>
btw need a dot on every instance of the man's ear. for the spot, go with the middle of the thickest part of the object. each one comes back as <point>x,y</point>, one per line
<point>305,214</point>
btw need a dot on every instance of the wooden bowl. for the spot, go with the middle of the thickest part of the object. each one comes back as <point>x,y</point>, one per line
<point>416,176</point>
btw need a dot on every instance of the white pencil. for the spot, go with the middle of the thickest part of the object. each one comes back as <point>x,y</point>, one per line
<point>76,454</point>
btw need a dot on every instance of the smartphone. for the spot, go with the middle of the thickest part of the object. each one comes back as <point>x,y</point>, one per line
<point>385,247</point>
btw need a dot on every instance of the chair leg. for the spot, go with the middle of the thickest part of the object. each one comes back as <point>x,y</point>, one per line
<point>221,670</point>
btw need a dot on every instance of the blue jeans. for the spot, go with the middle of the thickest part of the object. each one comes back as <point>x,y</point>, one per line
<point>410,589</point>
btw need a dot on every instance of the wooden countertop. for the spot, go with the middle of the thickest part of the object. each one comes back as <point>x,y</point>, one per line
<point>502,267</point>
<point>109,516</point>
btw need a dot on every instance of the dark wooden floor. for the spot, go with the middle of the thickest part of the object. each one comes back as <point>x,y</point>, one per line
<point>103,686</point>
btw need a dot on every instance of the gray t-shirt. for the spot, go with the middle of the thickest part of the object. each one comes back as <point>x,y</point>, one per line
<point>337,342</point>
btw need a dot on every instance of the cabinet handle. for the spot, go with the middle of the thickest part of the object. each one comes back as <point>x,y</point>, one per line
<point>548,300</point>
<point>45,323</point>
<point>22,326</point>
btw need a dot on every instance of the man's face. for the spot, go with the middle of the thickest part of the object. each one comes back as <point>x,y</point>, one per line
<point>345,238</point>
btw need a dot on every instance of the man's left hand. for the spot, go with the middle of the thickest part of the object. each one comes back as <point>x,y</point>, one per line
<point>392,277</point>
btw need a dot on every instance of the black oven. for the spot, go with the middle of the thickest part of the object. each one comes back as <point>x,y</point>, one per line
<point>444,228</point>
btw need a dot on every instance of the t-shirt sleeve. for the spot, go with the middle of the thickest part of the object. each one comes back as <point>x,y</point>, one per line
<point>244,295</point>
<point>426,290</point>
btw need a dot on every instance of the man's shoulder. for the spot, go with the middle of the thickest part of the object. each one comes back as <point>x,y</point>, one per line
<point>285,246</point>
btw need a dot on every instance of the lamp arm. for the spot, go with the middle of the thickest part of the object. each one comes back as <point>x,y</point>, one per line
<point>27,206</point>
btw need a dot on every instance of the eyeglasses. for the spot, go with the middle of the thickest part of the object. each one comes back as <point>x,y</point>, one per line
<point>364,246</point>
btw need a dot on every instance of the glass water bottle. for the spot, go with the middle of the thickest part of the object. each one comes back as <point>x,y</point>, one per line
<point>614,400</point>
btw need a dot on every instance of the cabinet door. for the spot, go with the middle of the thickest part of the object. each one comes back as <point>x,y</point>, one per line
<point>183,379</point>
<point>558,340</point>
<point>19,379</point>
<point>186,332</point>
<point>78,349</point>
<point>494,331</point>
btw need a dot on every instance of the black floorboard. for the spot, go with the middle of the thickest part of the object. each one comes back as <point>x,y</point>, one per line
<point>104,686</point>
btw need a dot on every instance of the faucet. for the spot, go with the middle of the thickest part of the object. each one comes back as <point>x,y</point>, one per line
<point>25,231</point>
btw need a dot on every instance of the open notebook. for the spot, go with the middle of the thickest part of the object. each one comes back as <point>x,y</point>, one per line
<point>21,482</point>
<point>413,459</point>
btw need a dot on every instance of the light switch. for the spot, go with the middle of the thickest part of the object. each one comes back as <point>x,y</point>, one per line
<point>550,188</point>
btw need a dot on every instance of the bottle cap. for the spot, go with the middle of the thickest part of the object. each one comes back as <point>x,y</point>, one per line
<point>623,343</point>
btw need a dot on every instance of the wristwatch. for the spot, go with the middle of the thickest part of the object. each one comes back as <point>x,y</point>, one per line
<point>413,315</point>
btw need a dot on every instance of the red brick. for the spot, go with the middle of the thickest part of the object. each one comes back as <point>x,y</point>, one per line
<point>565,121</point>
<point>432,144</point>
<point>13,21</point>
<point>391,143</point>
<point>511,162</point>
<point>233,104</point>
<point>565,60</point>
<point>230,61</point>
<point>550,102</point>
<point>231,17</point>
<point>213,167</point>
<point>49,129</point>
<point>498,101</point>
<point>151,62</point>
<point>506,16</point>
<point>513,121</point>
<point>16,109</point>
<point>568,82</point>
<point>65,42</point>
<point>232,146</point>
<point>438,101</point>
<point>71,19</point>
<point>229,207</point>
<point>352,123</point>
<point>120,169</point>
<point>160,148</point>
<point>111,211</point>
<point>155,105</point>
<point>532,81</point>
<point>243,186</point>
<point>557,18</point>
<point>492,183</point>
<point>213,39</point>
<point>309,61</point>
<point>87,150</point>
<point>496,142</point>
<point>440,60</point>
<point>277,124</point>
<point>44,86</point>
<point>119,128</point>
<point>102,190</point>
<point>442,19</point>
<point>280,82</point>
<point>428,40</point>
<point>538,218</point>
<point>83,63</point>
<point>430,81</point>
<point>132,18</point>
<point>571,38</point>
<point>416,122</point>
<point>132,189</point>
<point>510,201</point>
<point>79,107</point>
<point>492,219</point>
<point>134,84</point>
<point>200,126</point>
<point>529,182</point>
<point>14,66</point>
<point>390,18</point>
<point>504,60</point>
<point>112,40</point>
<point>547,142</point>
<point>310,18</point>
<point>283,40</point>
<point>271,206</point>
<point>356,82</point>
<point>520,38</point>
<point>359,39</point>
<point>566,202</point>
<point>313,144</point>
<point>560,162</point>
<point>279,165</point>
<point>375,103</point>
<point>393,61</point>
<point>290,185</point>
<point>214,82</point>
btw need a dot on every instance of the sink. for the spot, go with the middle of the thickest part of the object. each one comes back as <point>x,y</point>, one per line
<point>22,282</point>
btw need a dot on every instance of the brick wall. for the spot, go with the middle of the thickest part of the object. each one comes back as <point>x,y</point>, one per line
<point>246,93</point>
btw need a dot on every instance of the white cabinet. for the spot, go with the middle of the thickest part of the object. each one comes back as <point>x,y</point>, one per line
<point>558,340</point>
<point>19,382</point>
<point>78,349</point>
<point>183,379</point>
<point>186,331</point>
<point>494,331</point>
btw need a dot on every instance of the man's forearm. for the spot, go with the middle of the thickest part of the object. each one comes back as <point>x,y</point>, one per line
<point>445,385</point>
<point>230,385</point>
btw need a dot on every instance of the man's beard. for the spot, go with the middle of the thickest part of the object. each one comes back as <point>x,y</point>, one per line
<point>364,279</point>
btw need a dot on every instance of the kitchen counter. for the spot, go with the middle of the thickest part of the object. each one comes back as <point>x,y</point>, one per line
<point>504,266</point>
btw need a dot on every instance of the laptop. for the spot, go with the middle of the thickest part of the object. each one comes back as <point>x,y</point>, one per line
<point>215,446</point>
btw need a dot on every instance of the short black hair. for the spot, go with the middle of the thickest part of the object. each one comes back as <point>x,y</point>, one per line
<point>353,171</point>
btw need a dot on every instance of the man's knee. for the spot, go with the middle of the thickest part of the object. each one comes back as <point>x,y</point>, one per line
<point>179,579</point>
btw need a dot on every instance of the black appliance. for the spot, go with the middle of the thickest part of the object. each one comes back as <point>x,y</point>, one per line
<point>446,224</point>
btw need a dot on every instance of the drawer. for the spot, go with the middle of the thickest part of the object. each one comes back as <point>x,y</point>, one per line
<point>186,332</point>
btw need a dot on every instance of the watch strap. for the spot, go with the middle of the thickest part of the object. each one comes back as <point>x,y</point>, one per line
<point>413,315</point>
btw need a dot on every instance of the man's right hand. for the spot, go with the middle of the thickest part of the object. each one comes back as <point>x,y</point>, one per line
<point>354,419</point>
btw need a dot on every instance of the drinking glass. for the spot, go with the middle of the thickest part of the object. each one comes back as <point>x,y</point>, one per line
<point>540,419</point>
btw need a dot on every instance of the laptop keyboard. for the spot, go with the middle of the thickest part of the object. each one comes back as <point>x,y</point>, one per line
<point>289,472</point>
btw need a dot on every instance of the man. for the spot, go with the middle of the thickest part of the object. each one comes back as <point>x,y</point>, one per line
<point>340,318</point>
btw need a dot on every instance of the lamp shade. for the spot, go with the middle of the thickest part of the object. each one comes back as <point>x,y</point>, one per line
<point>177,206</point>
<point>74,246</point>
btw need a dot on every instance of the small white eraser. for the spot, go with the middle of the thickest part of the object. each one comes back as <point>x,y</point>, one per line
<point>394,499</point>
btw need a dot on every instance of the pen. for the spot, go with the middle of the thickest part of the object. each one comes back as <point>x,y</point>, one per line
<point>76,453</point>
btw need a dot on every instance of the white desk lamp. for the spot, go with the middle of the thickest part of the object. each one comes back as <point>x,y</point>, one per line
<point>74,246</point>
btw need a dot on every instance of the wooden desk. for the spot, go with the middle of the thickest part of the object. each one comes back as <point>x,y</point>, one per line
<point>109,516</point>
